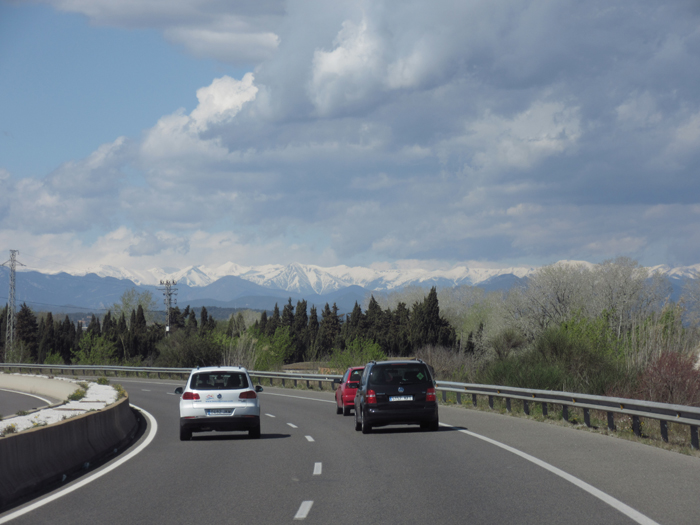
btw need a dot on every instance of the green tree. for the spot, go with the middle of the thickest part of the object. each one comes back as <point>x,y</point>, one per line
<point>94,350</point>
<point>26,330</point>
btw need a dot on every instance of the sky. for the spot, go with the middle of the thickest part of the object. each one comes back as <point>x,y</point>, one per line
<point>386,134</point>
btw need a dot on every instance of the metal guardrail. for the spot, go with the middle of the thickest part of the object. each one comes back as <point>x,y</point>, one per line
<point>663,412</point>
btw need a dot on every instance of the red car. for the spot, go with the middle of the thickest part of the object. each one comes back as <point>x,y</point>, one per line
<point>345,393</point>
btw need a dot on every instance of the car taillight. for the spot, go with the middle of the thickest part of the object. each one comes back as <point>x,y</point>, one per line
<point>371,397</point>
<point>248,394</point>
<point>190,395</point>
<point>430,395</point>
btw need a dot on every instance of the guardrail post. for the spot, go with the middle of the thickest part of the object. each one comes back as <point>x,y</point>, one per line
<point>295,383</point>
<point>474,400</point>
<point>611,421</point>
<point>308,384</point>
<point>636,426</point>
<point>459,398</point>
<point>508,404</point>
<point>565,413</point>
<point>694,437</point>
<point>283,382</point>
<point>491,402</point>
<point>270,381</point>
<point>320,385</point>
<point>544,409</point>
<point>664,430</point>
<point>526,407</point>
<point>587,417</point>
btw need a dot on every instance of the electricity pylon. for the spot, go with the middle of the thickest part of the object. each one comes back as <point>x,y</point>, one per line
<point>10,333</point>
<point>168,292</point>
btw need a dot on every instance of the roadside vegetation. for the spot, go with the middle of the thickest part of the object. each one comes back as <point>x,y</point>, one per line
<point>607,329</point>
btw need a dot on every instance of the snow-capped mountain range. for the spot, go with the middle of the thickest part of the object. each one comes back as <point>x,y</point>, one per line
<point>303,279</point>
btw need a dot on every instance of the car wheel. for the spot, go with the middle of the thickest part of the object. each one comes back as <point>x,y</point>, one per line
<point>185,435</point>
<point>434,425</point>
<point>338,408</point>
<point>254,433</point>
<point>346,410</point>
<point>358,425</point>
<point>366,427</point>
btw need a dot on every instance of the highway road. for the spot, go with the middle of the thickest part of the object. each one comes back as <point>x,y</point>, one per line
<point>311,465</point>
<point>12,402</point>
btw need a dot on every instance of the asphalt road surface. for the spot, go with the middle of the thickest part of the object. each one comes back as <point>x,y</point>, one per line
<point>13,402</point>
<point>311,465</point>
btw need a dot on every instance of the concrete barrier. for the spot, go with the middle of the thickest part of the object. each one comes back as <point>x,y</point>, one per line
<point>39,457</point>
<point>57,389</point>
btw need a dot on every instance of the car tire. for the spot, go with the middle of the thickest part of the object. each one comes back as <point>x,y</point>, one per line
<point>338,408</point>
<point>185,435</point>
<point>358,425</point>
<point>434,425</point>
<point>254,433</point>
<point>366,427</point>
<point>346,410</point>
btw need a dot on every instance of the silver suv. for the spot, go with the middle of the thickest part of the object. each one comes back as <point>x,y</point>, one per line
<point>219,398</point>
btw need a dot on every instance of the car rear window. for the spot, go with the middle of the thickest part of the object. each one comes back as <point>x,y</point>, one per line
<point>355,375</point>
<point>219,381</point>
<point>401,374</point>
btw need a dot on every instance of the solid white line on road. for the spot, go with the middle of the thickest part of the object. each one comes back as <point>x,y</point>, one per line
<point>613,502</point>
<point>27,394</point>
<point>269,415</point>
<point>309,438</point>
<point>98,474</point>
<point>144,390</point>
<point>303,511</point>
<point>292,425</point>
<point>317,469</point>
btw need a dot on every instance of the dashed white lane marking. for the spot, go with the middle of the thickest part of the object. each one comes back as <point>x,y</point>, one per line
<point>144,390</point>
<point>100,473</point>
<point>303,511</point>
<point>292,425</point>
<point>269,415</point>
<point>613,502</point>
<point>317,469</point>
<point>309,438</point>
<point>298,397</point>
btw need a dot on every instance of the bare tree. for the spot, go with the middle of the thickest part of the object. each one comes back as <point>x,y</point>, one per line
<point>552,295</point>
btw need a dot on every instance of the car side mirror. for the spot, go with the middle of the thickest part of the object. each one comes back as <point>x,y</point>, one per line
<point>178,390</point>
<point>258,388</point>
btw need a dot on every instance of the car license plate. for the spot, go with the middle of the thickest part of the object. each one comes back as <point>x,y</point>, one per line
<point>218,412</point>
<point>400,398</point>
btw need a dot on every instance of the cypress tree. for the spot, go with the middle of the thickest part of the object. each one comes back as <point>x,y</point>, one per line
<point>274,322</point>
<point>26,330</point>
<point>262,326</point>
<point>301,330</point>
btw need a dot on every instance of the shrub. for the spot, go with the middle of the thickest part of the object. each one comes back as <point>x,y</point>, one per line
<point>357,353</point>
<point>102,381</point>
<point>9,429</point>
<point>79,394</point>
<point>670,379</point>
<point>120,391</point>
